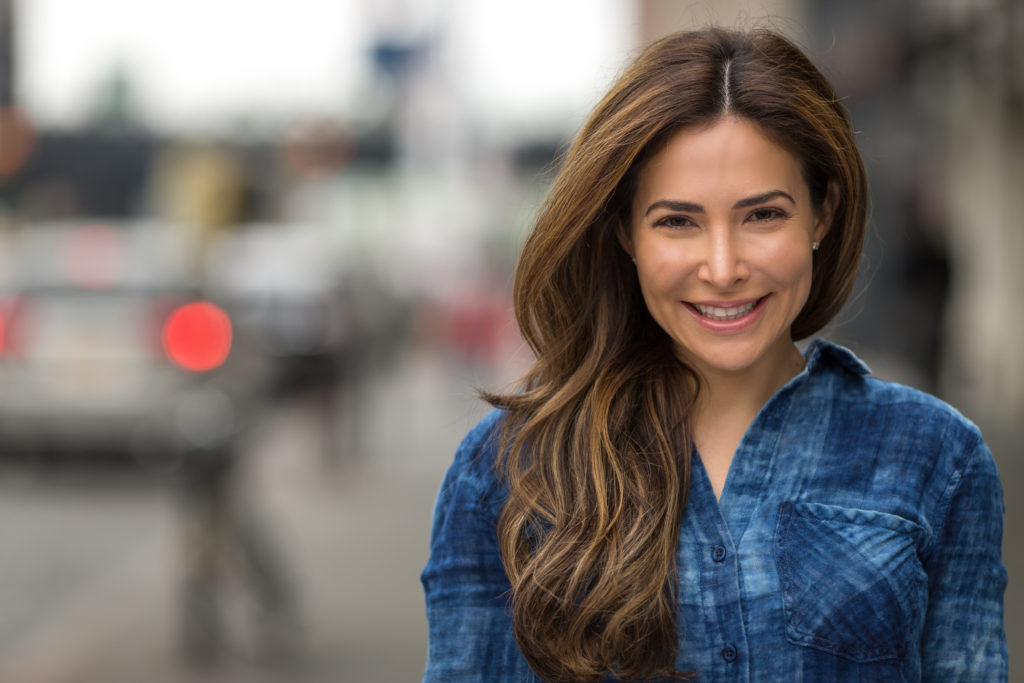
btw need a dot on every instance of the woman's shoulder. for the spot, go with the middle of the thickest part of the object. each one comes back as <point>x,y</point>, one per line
<point>479,448</point>
<point>866,408</point>
<point>921,411</point>
<point>927,422</point>
<point>900,402</point>
<point>474,466</point>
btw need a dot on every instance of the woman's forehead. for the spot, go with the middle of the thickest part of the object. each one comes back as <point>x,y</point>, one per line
<point>725,160</point>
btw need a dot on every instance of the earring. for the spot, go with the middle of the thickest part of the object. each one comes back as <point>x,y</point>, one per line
<point>633,259</point>
<point>815,245</point>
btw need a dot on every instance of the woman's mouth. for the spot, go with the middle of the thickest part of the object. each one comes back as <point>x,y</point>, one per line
<point>726,313</point>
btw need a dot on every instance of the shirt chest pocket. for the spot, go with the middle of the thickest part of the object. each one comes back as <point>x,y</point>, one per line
<point>852,584</point>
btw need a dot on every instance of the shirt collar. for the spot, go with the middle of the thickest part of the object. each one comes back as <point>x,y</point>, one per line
<point>821,355</point>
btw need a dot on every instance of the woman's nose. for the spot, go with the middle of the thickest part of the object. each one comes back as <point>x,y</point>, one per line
<point>722,266</point>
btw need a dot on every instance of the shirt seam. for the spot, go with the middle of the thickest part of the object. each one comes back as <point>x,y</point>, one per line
<point>945,506</point>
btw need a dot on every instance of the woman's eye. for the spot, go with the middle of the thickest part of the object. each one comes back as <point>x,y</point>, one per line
<point>675,222</point>
<point>767,214</point>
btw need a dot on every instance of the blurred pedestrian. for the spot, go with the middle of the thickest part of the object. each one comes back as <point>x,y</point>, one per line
<point>676,490</point>
<point>229,550</point>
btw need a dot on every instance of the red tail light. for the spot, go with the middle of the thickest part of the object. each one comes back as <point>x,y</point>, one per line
<point>197,336</point>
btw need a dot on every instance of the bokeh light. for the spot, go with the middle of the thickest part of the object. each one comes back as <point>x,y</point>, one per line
<point>197,336</point>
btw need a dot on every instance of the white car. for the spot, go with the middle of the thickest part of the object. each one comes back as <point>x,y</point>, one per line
<point>107,345</point>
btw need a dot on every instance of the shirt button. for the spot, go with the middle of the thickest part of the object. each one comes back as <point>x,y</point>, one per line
<point>718,553</point>
<point>729,653</point>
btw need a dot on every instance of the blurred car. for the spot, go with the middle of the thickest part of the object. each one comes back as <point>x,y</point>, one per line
<point>108,345</point>
<point>320,319</point>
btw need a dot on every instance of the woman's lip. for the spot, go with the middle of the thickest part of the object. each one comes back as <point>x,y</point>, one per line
<point>733,303</point>
<point>735,325</point>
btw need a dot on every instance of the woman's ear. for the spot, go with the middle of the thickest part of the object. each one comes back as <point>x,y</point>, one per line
<point>826,213</point>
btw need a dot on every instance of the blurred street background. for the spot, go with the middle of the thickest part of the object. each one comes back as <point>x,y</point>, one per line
<point>256,258</point>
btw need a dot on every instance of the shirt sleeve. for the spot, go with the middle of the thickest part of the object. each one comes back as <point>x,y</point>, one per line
<point>464,582</point>
<point>964,638</point>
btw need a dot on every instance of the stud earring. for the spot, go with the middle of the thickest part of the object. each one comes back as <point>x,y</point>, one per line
<point>633,259</point>
<point>815,245</point>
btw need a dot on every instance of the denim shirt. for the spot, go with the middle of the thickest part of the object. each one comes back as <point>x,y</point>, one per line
<point>857,538</point>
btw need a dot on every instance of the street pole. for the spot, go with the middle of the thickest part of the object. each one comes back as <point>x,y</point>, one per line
<point>6,53</point>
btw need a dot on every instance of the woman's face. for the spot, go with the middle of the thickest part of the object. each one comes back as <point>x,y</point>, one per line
<point>722,228</point>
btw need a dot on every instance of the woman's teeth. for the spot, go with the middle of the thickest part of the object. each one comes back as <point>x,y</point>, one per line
<point>723,314</point>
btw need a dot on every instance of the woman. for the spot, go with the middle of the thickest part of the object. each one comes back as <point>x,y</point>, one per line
<point>676,491</point>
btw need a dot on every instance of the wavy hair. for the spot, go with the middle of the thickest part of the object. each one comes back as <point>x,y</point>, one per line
<point>595,446</point>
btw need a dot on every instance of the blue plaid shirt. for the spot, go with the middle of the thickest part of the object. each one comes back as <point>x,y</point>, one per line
<point>857,539</point>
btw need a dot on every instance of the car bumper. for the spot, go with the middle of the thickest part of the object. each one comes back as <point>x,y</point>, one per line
<point>164,415</point>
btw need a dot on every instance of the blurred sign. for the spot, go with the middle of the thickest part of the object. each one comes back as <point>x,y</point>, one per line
<point>17,138</point>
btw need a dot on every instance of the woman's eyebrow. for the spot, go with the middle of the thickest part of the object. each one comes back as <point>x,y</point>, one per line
<point>690,207</point>
<point>762,198</point>
<point>675,205</point>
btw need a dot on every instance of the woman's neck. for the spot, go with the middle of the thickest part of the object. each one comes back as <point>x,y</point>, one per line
<point>741,394</point>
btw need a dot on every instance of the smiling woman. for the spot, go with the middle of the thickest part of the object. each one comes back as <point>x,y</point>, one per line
<point>726,268</point>
<point>674,490</point>
<point>722,233</point>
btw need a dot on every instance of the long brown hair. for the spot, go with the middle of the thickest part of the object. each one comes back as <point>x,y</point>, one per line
<point>595,446</point>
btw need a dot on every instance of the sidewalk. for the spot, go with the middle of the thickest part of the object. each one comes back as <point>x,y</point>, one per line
<point>354,535</point>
